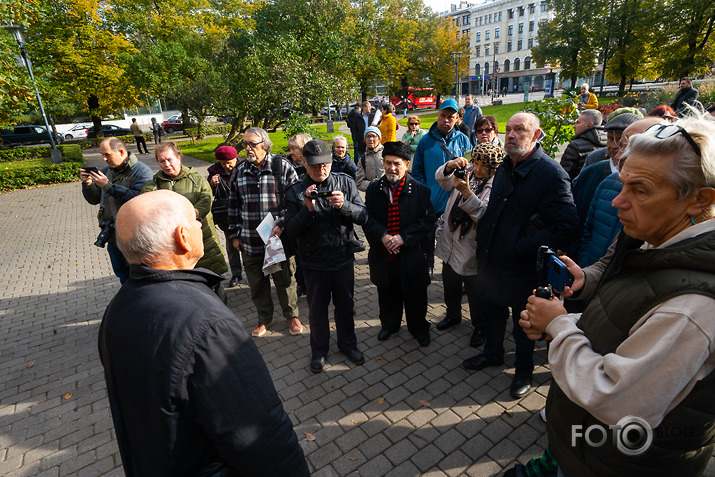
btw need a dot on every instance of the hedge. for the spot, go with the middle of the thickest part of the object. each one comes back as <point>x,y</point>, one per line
<point>209,130</point>
<point>70,153</point>
<point>45,174</point>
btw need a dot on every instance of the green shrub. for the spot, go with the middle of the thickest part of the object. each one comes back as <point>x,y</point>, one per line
<point>557,116</point>
<point>298,123</point>
<point>71,153</point>
<point>24,153</point>
<point>44,174</point>
<point>208,130</point>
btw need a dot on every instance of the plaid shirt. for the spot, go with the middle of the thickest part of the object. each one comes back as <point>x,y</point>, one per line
<point>253,195</point>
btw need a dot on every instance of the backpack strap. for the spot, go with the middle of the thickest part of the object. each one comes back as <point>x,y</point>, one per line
<point>276,170</point>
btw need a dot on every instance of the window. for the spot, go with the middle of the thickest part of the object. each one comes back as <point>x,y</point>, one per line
<point>465,20</point>
<point>508,46</point>
<point>531,25</point>
<point>477,51</point>
<point>490,18</point>
<point>479,36</point>
<point>456,21</point>
<point>486,50</point>
<point>486,35</point>
<point>527,63</point>
<point>544,7</point>
<point>521,11</point>
<point>496,33</point>
<point>516,64</point>
<point>531,43</point>
<point>465,32</point>
<point>486,68</point>
<point>519,45</point>
<point>521,28</point>
<point>496,48</point>
<point>477,69</point>
<point>510,30</point>
<point>532,8</point>
<point>506,66</point>
<point>499,16</point>
<point>511,14</point>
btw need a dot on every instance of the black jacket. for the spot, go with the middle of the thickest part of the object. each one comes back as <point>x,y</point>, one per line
<point>357,128</point>
<point>324,236</point>
<point>416,222</point>
<point>685,96</point>
<point>530,205</point>
<point>187,387</point>
<point>574,157</point>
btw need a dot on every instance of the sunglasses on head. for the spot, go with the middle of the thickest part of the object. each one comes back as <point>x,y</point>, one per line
<point>664,131</point>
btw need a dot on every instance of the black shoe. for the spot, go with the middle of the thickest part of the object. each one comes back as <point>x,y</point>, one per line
<point>423,338</point>
<point>477,338</point>
<point>520,386</point>
<point>354,355</point>
<point>448,322</point>
<point>235,280</point>
<point>317,363</point>
<point>384,334</point>
<point>478,362</point>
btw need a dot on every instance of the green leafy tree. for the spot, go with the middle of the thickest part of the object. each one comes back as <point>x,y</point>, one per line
<point>570,40</point>
<point>685,45</point>
<point>557,117</point>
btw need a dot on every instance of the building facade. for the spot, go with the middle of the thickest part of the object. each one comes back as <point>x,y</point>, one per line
<point>501,34</point>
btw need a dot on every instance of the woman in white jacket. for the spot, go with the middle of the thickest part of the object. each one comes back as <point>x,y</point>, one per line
<point>457,230</point>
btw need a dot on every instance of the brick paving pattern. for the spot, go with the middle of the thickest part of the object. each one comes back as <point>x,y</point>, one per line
<point>407,411</point>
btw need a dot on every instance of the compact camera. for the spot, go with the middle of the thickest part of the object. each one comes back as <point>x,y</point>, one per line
<point>463,171</point>
<point>107,227</point>
<point>318,194</point>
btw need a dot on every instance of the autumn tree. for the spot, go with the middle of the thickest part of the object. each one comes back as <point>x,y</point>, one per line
<point>685,45</point>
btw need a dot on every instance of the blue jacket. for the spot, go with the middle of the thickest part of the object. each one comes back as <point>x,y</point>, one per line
<point>602,224</point>
<point>187,386</point>
<point>345,165</point>
<point>429,156</point>
<point>530,205</point>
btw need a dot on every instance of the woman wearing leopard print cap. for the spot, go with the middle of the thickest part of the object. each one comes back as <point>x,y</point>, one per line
<point>457,232</point>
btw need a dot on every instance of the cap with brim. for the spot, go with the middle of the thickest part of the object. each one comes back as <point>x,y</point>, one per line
<point>317,152</point>
<point>621,122</point>
<point>449,104</point>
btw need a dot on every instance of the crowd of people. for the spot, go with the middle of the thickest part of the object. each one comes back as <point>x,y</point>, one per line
<point>630,209</point>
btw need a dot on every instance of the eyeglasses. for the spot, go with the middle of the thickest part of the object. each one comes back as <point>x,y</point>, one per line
<point>664,131</point>
<point>252,144</point>
<point>485,130</point>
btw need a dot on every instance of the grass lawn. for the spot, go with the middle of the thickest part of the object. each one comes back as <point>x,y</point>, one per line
<point>501,113</point>
<point>29,164</point>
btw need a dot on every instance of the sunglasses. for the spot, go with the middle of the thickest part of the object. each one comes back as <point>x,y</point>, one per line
<point>664,131</point>
<point>485,130</point>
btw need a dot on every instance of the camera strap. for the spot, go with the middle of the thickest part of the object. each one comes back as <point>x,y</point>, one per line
<point>447,151</point>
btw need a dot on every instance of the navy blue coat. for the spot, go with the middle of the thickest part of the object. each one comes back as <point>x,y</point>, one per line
<point>602,224</point>
<point>187,386</point>
<point>416,222</point>
<point>530,205</point>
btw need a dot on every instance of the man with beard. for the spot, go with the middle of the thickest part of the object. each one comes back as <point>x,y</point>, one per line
<point>257,188</point>
<point>321,210</point>
<point>530,205</point>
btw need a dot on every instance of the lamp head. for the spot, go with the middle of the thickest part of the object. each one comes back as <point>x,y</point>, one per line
<point>17,31</point>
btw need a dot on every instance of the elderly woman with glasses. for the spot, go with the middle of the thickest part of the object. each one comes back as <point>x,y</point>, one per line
<point>486,130</point>
<point>642,354</point>
<point>414,133</point>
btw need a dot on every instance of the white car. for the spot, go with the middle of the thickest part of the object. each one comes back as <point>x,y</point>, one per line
<point>78,131</point>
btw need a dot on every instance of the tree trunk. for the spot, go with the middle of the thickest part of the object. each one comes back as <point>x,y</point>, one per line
<point>93,103</point>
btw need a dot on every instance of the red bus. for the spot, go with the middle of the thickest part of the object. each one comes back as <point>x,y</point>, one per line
<point>418,98</point>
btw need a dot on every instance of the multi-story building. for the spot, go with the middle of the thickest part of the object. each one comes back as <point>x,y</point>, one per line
<point>501,34</point>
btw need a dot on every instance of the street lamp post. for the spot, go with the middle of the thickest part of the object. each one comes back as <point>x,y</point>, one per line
<point>16,31</point>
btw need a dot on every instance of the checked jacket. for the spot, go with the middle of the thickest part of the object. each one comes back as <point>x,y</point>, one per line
<point>253,195</point>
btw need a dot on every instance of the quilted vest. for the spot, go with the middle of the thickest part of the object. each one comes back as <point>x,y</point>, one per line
<point>634,282</point>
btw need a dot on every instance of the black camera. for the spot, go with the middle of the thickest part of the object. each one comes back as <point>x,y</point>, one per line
<point>461,173</point>
<point>107,227</point>
<point>317,194</point>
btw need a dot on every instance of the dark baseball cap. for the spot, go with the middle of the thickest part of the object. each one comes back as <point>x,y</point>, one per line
<point>317,152</point>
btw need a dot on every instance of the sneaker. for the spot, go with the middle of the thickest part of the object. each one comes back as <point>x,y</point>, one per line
<point>294,326</point>
<point>260,329</point>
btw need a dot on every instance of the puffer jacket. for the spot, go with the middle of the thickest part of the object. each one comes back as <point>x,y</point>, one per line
<point>574,157</point>
<point>124,184</point>
<point>196,188</point>
<point>324,235</point>
<point>388,128</point>
<point>602,224</point>
<point>460,252</point>
<point>370,167</point>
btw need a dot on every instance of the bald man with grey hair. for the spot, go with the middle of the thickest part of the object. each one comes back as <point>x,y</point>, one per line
<point>184,378</point>
<point>530,205</point>
<point>588,136</point>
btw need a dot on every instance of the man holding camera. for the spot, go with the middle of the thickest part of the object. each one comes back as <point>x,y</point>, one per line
<point>321,210</point>
<point>121,180</point>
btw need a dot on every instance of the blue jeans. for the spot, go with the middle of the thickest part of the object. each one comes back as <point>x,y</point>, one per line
<point>119,263</point>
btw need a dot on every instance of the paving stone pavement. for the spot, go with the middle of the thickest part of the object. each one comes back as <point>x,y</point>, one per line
<point>407,411</point>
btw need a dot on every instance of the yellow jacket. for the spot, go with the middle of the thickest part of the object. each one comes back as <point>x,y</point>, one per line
<point>388,126</point>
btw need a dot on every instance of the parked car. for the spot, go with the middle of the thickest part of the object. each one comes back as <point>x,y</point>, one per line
<point>109,130</point>
<point>78,131</point>
<point>25,135</point>
<point>175,123</point>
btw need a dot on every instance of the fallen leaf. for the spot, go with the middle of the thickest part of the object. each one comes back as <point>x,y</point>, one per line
<point>60,416</point>
<point>425,404</point>
<point>381,401</point>
<point>508,413</point>
<point>353,458</point>
<point>30,364</point>
<point>354,421</point>
<point>309,437</point>
<point>379,358</point>
<point>67,396</point>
